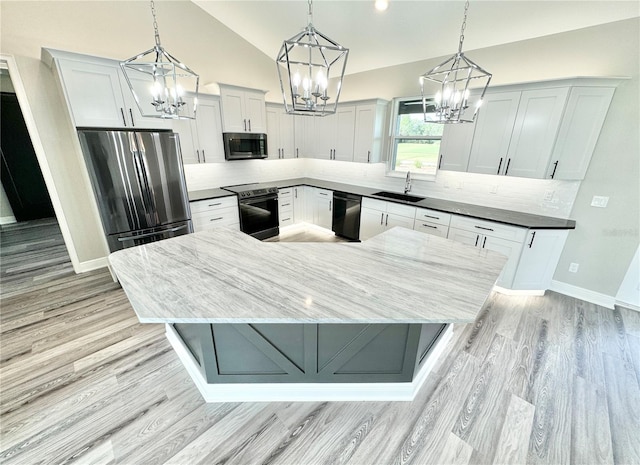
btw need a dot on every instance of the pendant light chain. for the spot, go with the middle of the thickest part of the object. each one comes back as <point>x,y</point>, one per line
<point>310,14</point>
<point>155,22</point>
<point>464,25</point>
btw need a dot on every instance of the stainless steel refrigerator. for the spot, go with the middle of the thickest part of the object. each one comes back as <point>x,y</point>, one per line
<point>138,181</point>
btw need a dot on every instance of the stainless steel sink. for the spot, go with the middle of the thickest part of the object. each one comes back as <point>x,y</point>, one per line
<point>397,196</point>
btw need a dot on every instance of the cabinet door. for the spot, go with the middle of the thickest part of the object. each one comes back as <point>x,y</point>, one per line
<point>186,134</point>
<point>304,128</point>
<point>309,203</point>
<point>299,206</point>
<point>511,250</point>
<point>142,88</point>
<point>345,131</point>
<point>539,259</point>
<point>366,135</point>
<point>455,146</point>
<point>535,131</point>
<point>371,223</point>
<point>233,119</point>
<point>494,126</point>
<point>465,237</point>
<point>583,119</point>
<point>325,137</point>
<point>254,112</point>
<point>391,220</point>
<point>93,93</point>
<point>208,123</point>
<point>287,144</point>
<point>323,214</point>
<point>273,133</point>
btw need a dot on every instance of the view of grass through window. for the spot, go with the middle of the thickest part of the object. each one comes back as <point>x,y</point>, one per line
<point>417,143</point>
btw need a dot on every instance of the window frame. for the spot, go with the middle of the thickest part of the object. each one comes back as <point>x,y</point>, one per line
<point>393,143</point>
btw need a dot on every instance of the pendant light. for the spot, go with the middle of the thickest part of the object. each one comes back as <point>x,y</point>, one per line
<point>309,64</point>
<point>456,76</point>
<point>159,81</point>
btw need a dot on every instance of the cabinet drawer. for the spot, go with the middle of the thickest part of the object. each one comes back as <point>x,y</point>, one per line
<point>374,204</point>
<point>286,219</point>
<point>431,228</point>
<point>489,228</point>
<point>432,216</point>
<point>227,215</point>
<point>401,210</point>
<point>285,192</point>
<point>213,204</point>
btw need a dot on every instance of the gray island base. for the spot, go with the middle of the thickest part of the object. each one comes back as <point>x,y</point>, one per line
<point>254,321</point>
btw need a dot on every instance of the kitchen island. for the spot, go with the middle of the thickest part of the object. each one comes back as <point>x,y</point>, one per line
<point>265,321</point>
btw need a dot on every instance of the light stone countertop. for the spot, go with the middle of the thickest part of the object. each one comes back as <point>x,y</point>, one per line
<point>225,276</point>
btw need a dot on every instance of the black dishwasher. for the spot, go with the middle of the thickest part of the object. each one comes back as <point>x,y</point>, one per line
<point>346,215</point>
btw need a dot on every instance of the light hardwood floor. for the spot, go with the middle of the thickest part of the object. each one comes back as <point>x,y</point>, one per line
<point>535,380</point>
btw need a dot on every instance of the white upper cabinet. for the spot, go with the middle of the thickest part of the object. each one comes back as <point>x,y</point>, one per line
<point>280,133</point>
<point>369,130</point>
<point>455,146</point>
<point>534,134</point>
<point>98,95</point>
<point>583,119</point>
<point>304,128</point>
<point>243,110</point>
<point>494,127</point>
<point>334,135</point>
<point>201,139</point>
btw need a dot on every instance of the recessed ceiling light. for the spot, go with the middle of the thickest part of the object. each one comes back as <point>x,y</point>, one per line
<point>382,5</point>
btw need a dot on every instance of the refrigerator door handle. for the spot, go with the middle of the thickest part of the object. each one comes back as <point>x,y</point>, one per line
<point>155,233</point>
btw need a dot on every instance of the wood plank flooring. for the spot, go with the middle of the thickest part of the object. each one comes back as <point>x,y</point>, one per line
<point>548,380</point>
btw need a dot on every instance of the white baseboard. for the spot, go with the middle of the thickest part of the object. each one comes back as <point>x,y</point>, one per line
<point>583,294</point>
<point>7,219</point>
<point>633,307</point>
<point>91,265</point>
<point>306,392</point>
<point>504,290</point>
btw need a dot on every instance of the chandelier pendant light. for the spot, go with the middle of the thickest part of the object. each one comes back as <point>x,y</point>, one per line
<point>456,76</point>
<point>159,81</point>
<point>308,65</point>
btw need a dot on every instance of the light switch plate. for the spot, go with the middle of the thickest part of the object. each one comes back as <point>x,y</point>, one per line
<point>573,268</point>
<point>599,201</point>
<point>548,195</point>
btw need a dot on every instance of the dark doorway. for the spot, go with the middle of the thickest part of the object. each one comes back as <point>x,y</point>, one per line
<point>20,172</point>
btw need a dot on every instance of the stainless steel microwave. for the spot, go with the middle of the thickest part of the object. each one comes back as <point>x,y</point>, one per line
<point>244,146</point>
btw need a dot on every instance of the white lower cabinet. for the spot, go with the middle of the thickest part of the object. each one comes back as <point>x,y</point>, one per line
<point>539,258</point>
<point>212,213</point>
<point>432,222</point>
<point>501,238</point>
<point>299,204</point>
<point>377,216</point>
<point>323,208</point>
<point>285,207</point>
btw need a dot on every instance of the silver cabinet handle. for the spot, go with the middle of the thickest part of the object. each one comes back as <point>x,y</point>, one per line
<point>198,153</point>
<point>245,124</point>
<point>533,236</point>
<point>204,158</point>
<point>330,202</point>
<point>499,166</point>
<point>481,227</point>
<point>323,193</point>
<point>386,222</point>
<point>124,120</point>
<point>381,218</point>
<point>440,162</point>
<point>249,125</point>
<point>285,219</point>
<point>157,233</point>
<point>133,124</point>
<point>555,167</point>
<point>477,239</point>
<point>215,204</point>
<point>506,171</point>
<point>429,226</point>
<point>216,219</point>
<point>297,153</point>
<point>295,191</point>
<point>484,241</point>
<point>285,204</point>
<point>430,216</point>
<point>368,156</point>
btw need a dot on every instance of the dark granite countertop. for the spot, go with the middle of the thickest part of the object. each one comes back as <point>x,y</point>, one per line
<point>514,218</point>
<point>208,194</point>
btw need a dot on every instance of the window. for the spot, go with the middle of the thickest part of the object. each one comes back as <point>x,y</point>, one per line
<point>416,143</point>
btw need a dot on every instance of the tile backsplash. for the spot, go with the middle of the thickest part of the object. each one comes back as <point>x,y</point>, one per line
<point>538,196</point>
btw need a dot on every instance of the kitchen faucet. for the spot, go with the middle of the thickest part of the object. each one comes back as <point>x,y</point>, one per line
<point>407,183</point>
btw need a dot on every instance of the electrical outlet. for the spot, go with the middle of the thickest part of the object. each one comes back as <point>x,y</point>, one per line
<point>446,184</point>
<point>459,185</point>
<point>493,189</point>
<point>573,268</point>
<point>548,195</point>
<point>599,201</point>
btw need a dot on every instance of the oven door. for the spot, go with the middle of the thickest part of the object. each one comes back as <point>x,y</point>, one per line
<point>259,216</point>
